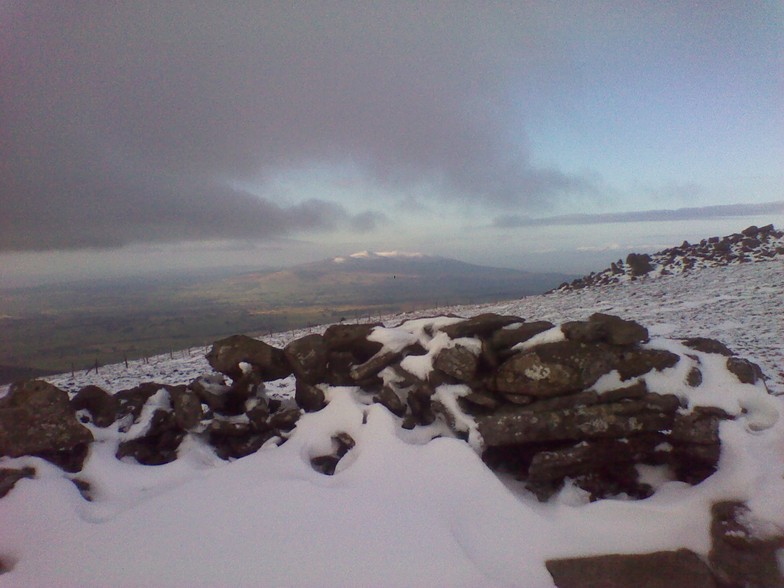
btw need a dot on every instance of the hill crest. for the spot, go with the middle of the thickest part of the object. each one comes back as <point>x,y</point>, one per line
<point>752,244</point>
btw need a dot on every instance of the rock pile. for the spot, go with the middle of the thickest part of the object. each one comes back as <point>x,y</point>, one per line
<point>586,403</point>
<point>547,403</point>
<point>750,245</point>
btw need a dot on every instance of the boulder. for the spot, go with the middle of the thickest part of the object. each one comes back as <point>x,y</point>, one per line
<point>661,569</point>
<point>227,354</point>
<point>308,358</point>
<point>101,405</point>
<point>36,418</point>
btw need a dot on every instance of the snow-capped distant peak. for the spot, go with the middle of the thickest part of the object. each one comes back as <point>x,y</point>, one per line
<point>379,254</point>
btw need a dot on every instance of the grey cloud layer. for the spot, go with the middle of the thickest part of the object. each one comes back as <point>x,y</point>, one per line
<point>127,122</point>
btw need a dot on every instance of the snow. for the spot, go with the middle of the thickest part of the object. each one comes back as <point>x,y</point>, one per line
<point>404,508</point>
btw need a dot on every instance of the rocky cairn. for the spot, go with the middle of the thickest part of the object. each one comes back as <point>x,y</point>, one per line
<point>581,403</point>
<point>753,244</point>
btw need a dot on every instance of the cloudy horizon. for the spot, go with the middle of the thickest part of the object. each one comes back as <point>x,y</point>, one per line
<point>297,130</point>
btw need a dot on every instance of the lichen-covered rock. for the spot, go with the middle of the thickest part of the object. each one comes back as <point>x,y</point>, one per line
<point>36,418</point>
<point>516,425</point>
<point>554,369</point>
<point>458,362</point>
<point>227,354</point>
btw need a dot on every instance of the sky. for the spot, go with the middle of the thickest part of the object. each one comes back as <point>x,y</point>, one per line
<point>146,136</point>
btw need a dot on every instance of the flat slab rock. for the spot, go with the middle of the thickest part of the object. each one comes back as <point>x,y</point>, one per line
<point>661,569</point>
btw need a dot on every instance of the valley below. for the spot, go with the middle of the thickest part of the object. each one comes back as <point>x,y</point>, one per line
<point>77,326</point>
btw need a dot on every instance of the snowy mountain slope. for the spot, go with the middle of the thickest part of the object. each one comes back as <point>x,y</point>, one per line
<point>403,509</point>
<point>753,244</point>
<point>741,305</point>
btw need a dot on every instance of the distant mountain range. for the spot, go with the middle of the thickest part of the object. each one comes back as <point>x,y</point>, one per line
<point>752,244</point>
<point>374,278</point>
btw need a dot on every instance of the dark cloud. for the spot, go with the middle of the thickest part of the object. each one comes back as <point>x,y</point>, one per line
<point>127,122</point>
<point>680,214</point>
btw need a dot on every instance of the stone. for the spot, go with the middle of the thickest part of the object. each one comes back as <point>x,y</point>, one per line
<point>479,400</point>
<point>10,476</point>
<point>211,390</point>
<point>743,549</point>
<point>661,569</point>
<point>374,365</point>
<point>160,443</point>
<point>640,264</point>
<point>308,397</point>
<point>637,362</point>
<point>101,405</point>
<point>707,345</point>
<point>187,408</point>
<point>511,425</point>
<point>605,328</point>
<point>694,377</point>
<point>132,401</point>
<point>326,464</point>
<point>528,375</point>
<point>420,404</point>
<point>458,362</point>
<point>308,358</point>
<point>481,325</point>
<point>285,420</point>
<point>508,338</point>
<point>390,399</point>
<point>36,418</point>
<point>555,369</point>
<point>84,488</point>
<point>227,354</point>
<point>746,371</point>
<point>339,366</point>
<point>353,338</point>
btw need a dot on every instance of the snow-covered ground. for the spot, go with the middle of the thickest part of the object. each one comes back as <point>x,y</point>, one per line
<point>402,509</point>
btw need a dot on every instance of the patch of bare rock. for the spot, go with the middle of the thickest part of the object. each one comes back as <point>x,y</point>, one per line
<point>576,403</point>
